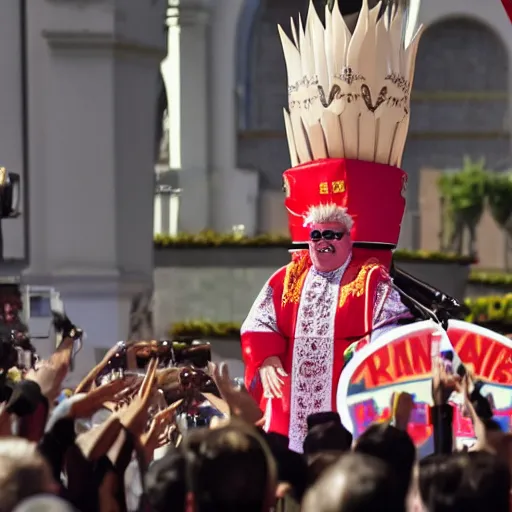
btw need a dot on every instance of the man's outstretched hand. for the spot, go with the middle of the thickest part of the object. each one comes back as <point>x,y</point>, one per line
<point>271,373</point>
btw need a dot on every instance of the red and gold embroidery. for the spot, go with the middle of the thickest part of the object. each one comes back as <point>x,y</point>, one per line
<point>356,287</point>
<point>296,272</point>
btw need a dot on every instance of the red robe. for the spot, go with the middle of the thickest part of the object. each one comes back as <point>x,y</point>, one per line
<point>308,319</point>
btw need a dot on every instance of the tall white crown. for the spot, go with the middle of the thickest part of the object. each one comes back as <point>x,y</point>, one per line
<point>349,94</point>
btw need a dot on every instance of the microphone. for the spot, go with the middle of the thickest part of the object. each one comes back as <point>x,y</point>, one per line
<point>428,296</point>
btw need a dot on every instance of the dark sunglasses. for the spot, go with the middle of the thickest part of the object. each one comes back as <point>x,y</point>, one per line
<point>328,234</point>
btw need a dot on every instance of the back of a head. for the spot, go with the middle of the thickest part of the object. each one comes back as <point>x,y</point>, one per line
<point>356,483</point>
<point>291,466</point>
<point>44,503</point>
<point>393,446</point>
<point>23,472</point>
<point>329,436</point>
<point>470,482</point>
<point>319,463</point>
<point>232,471</point>
<point>319,418</point>
<point>165,483</point>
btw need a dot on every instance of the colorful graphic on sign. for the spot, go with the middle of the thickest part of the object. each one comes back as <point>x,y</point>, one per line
<point>401,361</point>
<point>398,361</point>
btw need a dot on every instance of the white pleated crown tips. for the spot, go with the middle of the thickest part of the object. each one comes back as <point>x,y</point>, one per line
<point>349,94</point>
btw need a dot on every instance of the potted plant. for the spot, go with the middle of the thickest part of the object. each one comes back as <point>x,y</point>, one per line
<point>463,195</point>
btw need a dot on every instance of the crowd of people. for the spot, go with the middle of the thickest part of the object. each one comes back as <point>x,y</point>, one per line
<point>126,442</point>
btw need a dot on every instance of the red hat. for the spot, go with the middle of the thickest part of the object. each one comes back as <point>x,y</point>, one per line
<point>372,193</point>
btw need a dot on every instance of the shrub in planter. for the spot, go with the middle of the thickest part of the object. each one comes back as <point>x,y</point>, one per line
<point>463,195</point>
<point>211,239</point>
<point>490,278</point>
<point>490,309</point>
<point>205,329</point>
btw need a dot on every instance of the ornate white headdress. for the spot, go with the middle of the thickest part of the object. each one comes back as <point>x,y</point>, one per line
<point>349,94</point>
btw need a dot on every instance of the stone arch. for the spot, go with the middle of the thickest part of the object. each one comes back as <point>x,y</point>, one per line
<point>459,106</point>
<point>475,49</point>
<point>244,37</point>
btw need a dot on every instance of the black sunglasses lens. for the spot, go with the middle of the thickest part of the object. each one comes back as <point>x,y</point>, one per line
<point>315,235</point>
<point>328,234</point>
<point>339,235</point>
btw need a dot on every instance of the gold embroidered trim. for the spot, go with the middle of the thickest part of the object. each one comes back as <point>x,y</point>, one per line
<point>294,279</point>
<point>356,287</point>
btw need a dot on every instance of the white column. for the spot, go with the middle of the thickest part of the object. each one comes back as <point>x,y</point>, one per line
<point>186,77</point>
<point>234,191</point>
<point>93,79</point>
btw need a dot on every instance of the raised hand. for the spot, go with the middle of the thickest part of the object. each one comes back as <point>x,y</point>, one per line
<point>271,373</point>
<point>96,442</point>
<point>240,403</point>
<point>158,433</point>
<point>443,383</point>
<point>87,382</point>
<point>49,375</point>
<point>135,417</point>
<point>84,405</point>
<point>403,404</point>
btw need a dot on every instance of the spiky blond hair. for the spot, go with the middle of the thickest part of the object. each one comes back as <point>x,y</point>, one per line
<point>330,212</point>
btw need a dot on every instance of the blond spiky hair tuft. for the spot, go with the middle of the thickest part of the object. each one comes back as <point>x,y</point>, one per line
<point>330,212</point>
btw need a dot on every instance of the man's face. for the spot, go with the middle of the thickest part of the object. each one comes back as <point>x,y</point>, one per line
<point>330,246</point>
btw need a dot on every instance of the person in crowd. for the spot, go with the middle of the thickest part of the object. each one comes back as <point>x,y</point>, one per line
<point>394,447</point>
<point>356,483</point>
<point>326,433</point>
<point>466,482</point>
<point>231,469</point>
<point>165,483</point>
<point>24,473</point>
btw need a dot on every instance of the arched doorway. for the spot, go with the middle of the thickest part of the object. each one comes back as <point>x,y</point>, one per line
<point>459,107</point>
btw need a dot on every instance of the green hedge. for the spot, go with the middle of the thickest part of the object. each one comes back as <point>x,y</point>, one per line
<point>490,278</point>
<point>213,239</point>
<point>493,309</point>
<point>210,239</point>
<point>205,329</point>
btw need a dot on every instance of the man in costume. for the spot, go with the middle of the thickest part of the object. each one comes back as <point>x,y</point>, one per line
<point>349,98</point>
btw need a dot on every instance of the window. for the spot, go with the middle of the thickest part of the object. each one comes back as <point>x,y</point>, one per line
<point>40,307</point>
